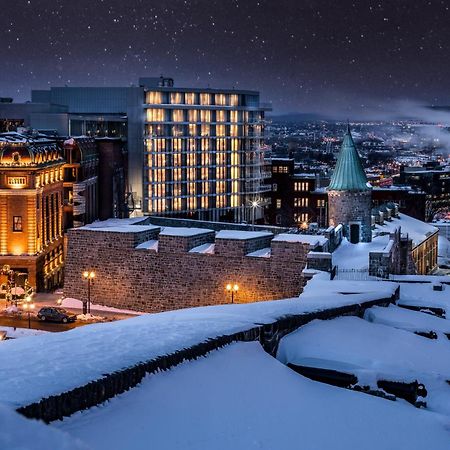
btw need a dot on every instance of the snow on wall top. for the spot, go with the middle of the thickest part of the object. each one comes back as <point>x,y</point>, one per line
<point>242,235</point>
<point>131,225</point>
<point>183,231</point>
<point>310,239</point>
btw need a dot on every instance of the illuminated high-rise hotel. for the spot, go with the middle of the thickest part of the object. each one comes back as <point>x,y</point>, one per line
<point>204,153</point>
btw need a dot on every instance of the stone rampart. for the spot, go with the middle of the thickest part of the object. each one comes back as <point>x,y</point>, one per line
<point>168,276</point>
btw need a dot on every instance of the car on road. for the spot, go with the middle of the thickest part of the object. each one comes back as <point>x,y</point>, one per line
<point>54,314</point>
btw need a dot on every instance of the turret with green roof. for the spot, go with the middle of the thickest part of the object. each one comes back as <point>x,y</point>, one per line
<point>349,173</point>
<point>350,195</point>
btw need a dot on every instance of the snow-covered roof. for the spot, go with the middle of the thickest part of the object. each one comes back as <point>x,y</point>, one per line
<point>183,231</point>
<point>417,230</point>
<point>242,235</point>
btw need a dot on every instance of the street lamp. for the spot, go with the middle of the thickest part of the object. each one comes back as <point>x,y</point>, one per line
<point>89,276</point>
<point>254,205</point>
<point>28,306</point>
<point>233,288</point>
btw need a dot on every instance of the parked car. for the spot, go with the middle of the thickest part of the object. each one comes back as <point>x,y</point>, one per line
<point>54,314</point>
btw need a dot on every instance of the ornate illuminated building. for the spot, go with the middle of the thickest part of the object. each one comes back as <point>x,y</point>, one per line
<point>205,156</point>
<point>31,212</point>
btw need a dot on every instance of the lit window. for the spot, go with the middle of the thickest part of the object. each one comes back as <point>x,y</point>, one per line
<point>176,98</point>
<point>205,99</point>
<point>17,223</point>
<point>221,99</point>
<point>221,116</point>
<point>205,116</point>
<point>278,203</point>
<point>154,98</point>
<point>177,115</point>
<point>189,98</point>
<point>155,115</point>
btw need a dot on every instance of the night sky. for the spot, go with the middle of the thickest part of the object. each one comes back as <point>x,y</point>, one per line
<point>318,55</point>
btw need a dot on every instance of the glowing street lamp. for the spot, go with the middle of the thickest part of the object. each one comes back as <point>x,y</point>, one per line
<point>28,306</point>
<point>233,288</point>
<point>254,205</point>
<point>88,275</point>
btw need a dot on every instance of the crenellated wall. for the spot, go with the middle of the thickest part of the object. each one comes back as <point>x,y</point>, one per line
<point>168,275</point>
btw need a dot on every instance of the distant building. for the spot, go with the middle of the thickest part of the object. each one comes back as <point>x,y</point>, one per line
<point>31,208</point>
<point>434,180</point>
<point>296,200</point>
<point>112,179</point>
<point>196,153</point>
<point>80,182</point>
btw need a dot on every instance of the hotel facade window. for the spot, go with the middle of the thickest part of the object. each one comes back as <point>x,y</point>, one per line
<point>205,158</point>
<point>17,223</point>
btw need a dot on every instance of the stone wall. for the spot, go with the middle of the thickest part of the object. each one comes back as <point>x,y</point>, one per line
<point>351,207</point>
<point>172,277</point>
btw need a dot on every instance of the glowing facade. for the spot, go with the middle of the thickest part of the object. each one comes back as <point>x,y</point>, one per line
<point>205,155</point>
<point>31,211</point>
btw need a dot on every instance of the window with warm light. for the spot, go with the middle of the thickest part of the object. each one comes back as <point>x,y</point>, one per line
<point>155,115</point>
<point>205,99</point>
<point>189,98</point>
<point>221,99</point>
<point>205,116</point>
<point>192,115</point>
<point>221,116</point>
<point>154,98</point>
<point>176,98</point>
<point>177,115</point>
<point>17,224</point>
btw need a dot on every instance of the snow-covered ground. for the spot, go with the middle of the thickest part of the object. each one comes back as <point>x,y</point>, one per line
<point>241,398</point>
<point>422,294</point>
<point>19,433</point>
<point>74,303</point>
<point>75,357</point>
<point>408,320</point>
<point>15,333</point>
<point>373,351</point>
<point>443,251</point>
<point>356,256</point>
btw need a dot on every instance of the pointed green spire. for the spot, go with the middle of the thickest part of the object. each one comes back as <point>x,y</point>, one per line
<point>349,173</point>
